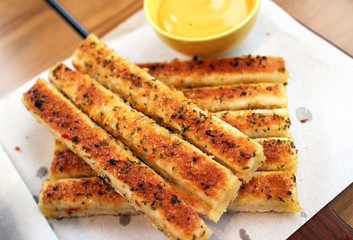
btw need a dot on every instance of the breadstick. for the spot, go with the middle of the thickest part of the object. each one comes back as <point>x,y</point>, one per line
<point>237,97</point>
<point>267,191</point>
<point>259,123</point>
<point>220,71</point>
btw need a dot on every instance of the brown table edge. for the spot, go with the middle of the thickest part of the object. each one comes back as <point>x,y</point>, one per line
<point>316,33</point>
<point>325,224</point>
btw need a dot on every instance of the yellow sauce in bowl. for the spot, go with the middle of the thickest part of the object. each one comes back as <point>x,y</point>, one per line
<point>201,18</point>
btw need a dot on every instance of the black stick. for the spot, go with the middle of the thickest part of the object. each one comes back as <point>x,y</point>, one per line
<point>69,18</point>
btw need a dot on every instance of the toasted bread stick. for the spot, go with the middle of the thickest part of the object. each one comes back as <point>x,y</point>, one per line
<point>281,155</point>
<point>219,71</point>
<point>168,154</point>
<point>73,197</point>
<point>170,107</point>
<point>237,97</point>
<point>139,184</point>
<point>267,191</point>
<point>259,123</point>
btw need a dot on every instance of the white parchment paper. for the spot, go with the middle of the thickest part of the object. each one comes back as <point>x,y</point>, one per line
<point>20,218</point>
<point>320,81</point>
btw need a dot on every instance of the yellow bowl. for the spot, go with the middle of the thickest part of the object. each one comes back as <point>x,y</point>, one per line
<point>206,46</point>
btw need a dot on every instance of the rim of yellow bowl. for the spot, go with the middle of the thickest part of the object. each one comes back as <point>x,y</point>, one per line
<point>189,39</point>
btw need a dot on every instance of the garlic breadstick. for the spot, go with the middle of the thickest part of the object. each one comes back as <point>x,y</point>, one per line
<point>259,123</point>
<point>70,197</point>
<point>219,71</point>
<point>237,97</point>
<point>79,197</point>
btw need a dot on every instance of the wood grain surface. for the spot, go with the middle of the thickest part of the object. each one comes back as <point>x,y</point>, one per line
<point>33,37</point>
<point>331,20</point>
<point>324,225</point>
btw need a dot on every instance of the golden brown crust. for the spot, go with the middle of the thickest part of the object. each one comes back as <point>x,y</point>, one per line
<point>279,186</point>
<point>259,123</point>
<point>280,153</point>
<point>237,97</point>
<point>268,191</point>
<point>66,164</point>
<point>169,154</point>
<point>80,194</point>
<point>143,188</point>
<point>89,196</point>
<point>164,103</point>
<point>219,71</point>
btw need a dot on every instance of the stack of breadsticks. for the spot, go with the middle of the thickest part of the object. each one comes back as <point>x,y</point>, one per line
<point>169,140</point>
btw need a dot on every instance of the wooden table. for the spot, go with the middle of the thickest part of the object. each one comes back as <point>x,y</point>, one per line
<point>33,37</point>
